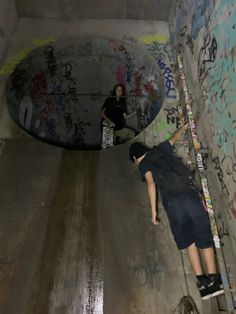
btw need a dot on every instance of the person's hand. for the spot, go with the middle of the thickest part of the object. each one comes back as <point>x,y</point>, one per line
<point>185,126</point>
<point>155,220</point>
<point>109,123</point>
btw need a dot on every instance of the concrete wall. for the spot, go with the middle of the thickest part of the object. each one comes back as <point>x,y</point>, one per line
<point>131,9</point>
<point>204,34</point>
<point>8,19</point>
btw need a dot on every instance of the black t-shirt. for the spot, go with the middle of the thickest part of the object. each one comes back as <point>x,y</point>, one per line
<point>169,173</point>
<point>115,110</point>
<point>145,165</point>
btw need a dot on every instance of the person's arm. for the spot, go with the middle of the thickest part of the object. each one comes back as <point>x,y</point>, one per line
<point>129,115</point>
<point>105,117</point>
<point>178,133</point>
<point>125,110</point>
<point>152,194</point>
<point>103,114</point>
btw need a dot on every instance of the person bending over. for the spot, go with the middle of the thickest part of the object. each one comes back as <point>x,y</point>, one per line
<point>163,171</point>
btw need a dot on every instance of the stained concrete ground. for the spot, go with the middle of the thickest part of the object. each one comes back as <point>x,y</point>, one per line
<point>76,237</point>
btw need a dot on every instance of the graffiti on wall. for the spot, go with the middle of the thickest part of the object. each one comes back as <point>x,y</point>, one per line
<point>215,65</point>
<point>221,99</point>
<point>226,172</point>
<point>172,116</point>
<point>188,19</point>
<point>10,65</point>
<point>207,56</point>
<point>211,65</point>
<point>159,48</point>
<point>147,86</point>
<point>50,93</point>
<point>169,79</point>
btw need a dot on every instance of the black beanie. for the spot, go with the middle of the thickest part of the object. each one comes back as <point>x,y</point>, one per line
<point>137,150</point>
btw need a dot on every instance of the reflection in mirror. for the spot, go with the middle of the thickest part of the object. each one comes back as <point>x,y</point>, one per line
<point>60,92</point>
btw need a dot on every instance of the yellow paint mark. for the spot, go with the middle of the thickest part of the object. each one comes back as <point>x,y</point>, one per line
<point>39,42</point>
<point>9,67</point>
<point>149,39</point>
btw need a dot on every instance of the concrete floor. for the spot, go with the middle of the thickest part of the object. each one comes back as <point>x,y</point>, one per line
<point>75,237</point>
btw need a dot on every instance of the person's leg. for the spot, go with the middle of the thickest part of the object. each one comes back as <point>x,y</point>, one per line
<point>215,284</point>
<point>202,279</point>
<point>124,135</point>
<point>200,233</point>
<point>203,237</point>
<point>194,258</point>
<point>135,132</point>
<point>209,259</point>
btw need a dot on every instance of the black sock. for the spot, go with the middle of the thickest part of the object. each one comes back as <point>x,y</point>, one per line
<point>213,275</point>
<point>202,279</point>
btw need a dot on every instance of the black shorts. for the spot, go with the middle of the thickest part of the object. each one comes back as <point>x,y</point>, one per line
<point>189,221</point>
